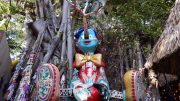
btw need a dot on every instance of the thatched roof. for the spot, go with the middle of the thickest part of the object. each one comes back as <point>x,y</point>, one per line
<point>165,57</point>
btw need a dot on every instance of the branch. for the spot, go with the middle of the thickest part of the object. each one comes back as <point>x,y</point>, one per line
<point>75,7</point>
<point>85,8</point>
<point>93,12</point>
<point>52,48</point>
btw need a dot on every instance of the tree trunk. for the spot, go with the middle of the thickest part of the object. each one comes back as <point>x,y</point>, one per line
<point>40,10</point>
<point>126,60</point>
<point>139,55</point>
<point>131,57</point>
<point>64,29</point>
<point>69,45</point>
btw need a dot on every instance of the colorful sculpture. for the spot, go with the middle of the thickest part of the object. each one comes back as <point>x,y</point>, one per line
<point>89,82</point>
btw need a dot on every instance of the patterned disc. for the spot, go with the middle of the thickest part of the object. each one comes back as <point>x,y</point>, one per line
<point>47,82</point>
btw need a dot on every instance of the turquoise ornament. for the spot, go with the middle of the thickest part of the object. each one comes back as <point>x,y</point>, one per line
<point>87,45</point>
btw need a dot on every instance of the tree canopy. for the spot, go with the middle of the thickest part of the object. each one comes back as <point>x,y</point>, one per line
<point>144,17</point>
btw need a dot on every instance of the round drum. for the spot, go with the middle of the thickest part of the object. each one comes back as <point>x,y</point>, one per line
<point>133,85</point>
<point>47,85</point>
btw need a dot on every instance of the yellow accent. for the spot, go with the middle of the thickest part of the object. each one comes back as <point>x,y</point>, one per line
<point>128,85</point>
<point>15,62</point>
<point>81,59</point>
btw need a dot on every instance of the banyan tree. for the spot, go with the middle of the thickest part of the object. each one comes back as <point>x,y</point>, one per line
<point>48,38</point>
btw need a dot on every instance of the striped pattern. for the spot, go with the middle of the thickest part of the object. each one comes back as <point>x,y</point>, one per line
<point>133,85</point>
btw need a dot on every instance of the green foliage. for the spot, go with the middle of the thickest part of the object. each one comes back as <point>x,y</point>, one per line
<point>12,21</point>
<point>4,24</point>
<point>15,34</point>
<point>142,20</point>
<point>4,8</point>
<point>147,16</point>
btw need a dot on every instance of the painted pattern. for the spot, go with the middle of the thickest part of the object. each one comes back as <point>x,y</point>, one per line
<point>133,85</point>
<point>88,70</point>
<point>47,82</point>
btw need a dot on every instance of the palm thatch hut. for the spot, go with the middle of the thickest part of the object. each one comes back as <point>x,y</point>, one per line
<point>165,57</point>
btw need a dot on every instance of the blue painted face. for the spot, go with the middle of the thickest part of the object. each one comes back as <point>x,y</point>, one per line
<point>88,45</point>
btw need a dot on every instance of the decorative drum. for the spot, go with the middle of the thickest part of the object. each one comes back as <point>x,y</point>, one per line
<point>47,85</point>
<point>133,85</point>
